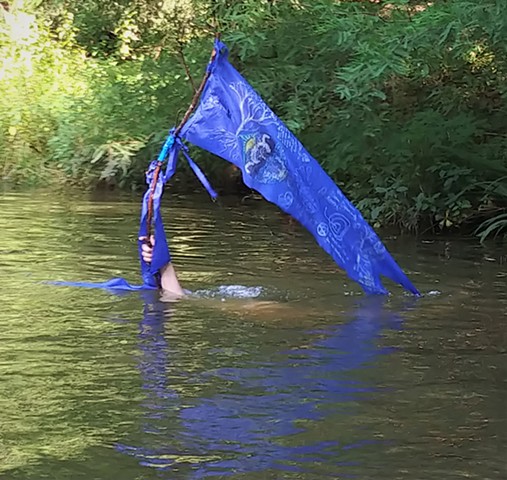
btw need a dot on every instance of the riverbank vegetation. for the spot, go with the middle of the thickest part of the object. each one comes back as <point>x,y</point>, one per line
<point>403,102</point>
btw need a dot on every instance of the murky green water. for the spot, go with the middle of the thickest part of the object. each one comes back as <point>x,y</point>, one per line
<point>321,383</point>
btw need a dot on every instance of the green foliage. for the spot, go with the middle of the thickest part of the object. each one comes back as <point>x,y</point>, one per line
<point>404,102</point>
<point>493,227</point>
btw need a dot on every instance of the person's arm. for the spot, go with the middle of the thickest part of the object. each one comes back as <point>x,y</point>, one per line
<point>168,278</point>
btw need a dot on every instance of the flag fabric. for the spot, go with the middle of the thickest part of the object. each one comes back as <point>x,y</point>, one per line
<point>234,123</point>
<point>150,272</point>
<point>161,255</point>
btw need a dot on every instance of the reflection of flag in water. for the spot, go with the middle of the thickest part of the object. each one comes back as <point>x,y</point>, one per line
<point>234,123</point>
<point>244,417</point>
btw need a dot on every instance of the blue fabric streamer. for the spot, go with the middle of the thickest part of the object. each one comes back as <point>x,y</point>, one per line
<point>161,254</point>
<point>234,123</point>
<point>115,284</point>
<point>200,175</point>
<point>166,147</point>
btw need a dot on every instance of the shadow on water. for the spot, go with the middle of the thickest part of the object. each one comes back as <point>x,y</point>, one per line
<point>268,415</point>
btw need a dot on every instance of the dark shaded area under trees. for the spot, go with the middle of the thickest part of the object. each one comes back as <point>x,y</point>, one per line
<point>403,102</point>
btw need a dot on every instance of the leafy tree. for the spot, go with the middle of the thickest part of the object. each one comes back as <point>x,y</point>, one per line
<point>404,102</point>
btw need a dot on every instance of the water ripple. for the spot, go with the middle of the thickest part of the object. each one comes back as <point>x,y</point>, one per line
<point>293,375</point>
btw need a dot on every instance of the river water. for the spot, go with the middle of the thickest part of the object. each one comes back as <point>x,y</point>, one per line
<point>306,379</point>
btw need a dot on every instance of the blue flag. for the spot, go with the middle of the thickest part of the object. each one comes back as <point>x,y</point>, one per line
<point>233,122</point>
<point>161,255</point>
<point>150,272</point>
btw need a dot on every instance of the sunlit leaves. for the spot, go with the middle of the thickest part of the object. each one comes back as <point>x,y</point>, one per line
<point>403,101</point>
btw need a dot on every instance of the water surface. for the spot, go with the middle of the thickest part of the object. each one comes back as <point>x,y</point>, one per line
<point>308,380</point>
